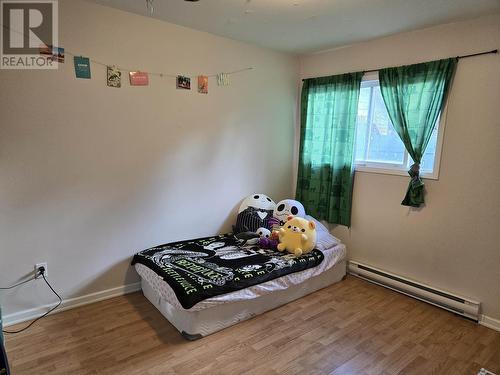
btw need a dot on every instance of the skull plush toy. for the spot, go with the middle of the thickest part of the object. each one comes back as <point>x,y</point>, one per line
<point>284,209</point>
<point>264,233</point>
<point>255,211</point>
<point>260,201</point>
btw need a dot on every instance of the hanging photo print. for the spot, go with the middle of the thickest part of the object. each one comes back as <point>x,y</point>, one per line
<point>82,67</point>
<point>52,53</point>
<point>222,79</point>
<point>114,77</point>
<point>139,79</point>
<point>203,84</point>
<point>183,82</point>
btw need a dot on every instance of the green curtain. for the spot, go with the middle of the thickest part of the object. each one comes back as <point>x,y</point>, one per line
<point>414,96</point>
<point>329,107</point>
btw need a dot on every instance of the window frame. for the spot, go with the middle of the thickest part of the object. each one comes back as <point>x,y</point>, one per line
<point>397,169</point>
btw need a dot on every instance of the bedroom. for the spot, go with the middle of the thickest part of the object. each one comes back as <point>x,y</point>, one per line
<point>92,174</point>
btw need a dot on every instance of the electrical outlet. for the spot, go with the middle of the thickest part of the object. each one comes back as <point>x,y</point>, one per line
<point>38,265</point>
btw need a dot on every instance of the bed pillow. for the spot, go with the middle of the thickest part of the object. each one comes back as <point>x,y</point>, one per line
<point>324,239</point>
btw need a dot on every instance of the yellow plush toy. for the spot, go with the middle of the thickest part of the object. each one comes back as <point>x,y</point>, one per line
<point>297,236</point>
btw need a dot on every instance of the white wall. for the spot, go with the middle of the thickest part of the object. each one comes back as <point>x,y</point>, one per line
<point>454,242</point>
<point>89,174</point>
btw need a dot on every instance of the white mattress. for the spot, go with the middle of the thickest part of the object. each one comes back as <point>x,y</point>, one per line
<point>196,324</point>
<point>333,256</point>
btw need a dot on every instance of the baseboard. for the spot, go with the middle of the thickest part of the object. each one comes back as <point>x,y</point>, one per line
<point>70,303</point>
<point>490,322</point>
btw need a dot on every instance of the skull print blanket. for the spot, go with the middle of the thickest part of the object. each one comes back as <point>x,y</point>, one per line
<point>206,267</point>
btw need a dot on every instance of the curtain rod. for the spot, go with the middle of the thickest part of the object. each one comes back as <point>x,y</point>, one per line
<point>458,57</point>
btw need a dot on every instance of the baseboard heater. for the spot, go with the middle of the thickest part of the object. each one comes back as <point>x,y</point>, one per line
<point>457,304</point>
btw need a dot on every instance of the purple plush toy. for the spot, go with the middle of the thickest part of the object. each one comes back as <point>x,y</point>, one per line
<point>266,242</point>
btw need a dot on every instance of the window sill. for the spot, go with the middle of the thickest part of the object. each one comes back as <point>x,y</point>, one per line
<point>392,171</point>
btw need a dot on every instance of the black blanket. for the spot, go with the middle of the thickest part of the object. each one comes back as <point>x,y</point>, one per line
<point>206,267</point>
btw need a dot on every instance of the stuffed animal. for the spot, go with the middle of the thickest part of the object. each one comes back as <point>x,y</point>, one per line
<point>263,232</point>
<point>266,242</point>
<point>284,209</point>
<point>297,236</point>
<point>260,201</point>
<point>255,211</point>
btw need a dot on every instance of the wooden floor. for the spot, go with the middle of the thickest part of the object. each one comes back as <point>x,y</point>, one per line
<point>352,327</point>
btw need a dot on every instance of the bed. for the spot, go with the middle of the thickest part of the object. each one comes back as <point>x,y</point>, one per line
<point>204,285</point>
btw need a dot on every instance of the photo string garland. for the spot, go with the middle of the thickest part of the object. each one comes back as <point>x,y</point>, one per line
<point>221,78</point>
<point>82,70</point>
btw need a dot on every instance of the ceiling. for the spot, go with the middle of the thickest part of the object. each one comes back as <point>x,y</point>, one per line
<point>300,26</point>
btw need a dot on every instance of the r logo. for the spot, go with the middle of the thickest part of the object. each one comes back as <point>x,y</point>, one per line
<point>27,27</point>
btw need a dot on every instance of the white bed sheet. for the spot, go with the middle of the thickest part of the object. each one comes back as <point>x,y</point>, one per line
<point>333,256</point>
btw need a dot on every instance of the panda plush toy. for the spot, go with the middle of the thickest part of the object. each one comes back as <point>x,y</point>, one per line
<point>255,212</point>
<point>284,209</point>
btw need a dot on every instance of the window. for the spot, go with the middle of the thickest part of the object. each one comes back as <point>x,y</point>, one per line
<point>378,147</point>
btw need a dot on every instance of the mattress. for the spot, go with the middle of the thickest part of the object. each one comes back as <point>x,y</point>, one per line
<point>222,311</point>
<point>162,289</point>
<point>195,324</point>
